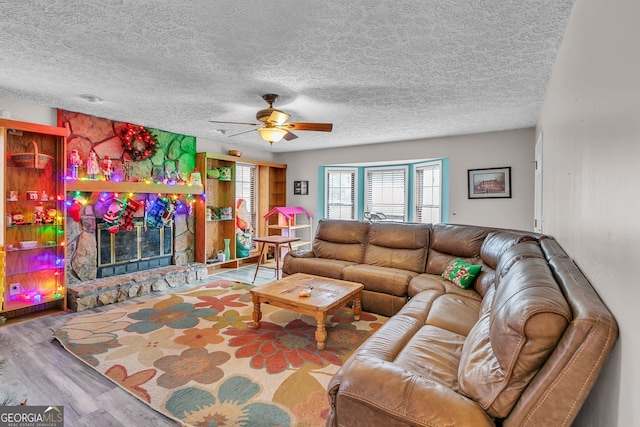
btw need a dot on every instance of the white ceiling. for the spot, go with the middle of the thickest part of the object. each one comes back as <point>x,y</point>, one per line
<point>379,71</point>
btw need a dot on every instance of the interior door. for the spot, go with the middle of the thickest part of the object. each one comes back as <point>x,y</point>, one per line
<point>537,217</point>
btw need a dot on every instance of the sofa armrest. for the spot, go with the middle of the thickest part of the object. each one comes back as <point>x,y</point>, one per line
<point>368,388</point>
<point>301,253</point>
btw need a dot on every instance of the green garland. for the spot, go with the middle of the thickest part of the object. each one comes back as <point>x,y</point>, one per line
<point>138,142</point>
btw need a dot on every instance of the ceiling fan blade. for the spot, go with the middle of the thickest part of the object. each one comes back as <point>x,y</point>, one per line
<point>235,123</point>
<point>278,117</point>
<point>289,136</point>
<point>318,127</point>
<point>240,133</point>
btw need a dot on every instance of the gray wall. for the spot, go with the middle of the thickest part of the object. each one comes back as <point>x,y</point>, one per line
<point>590,123</point>
<point>513,148</point>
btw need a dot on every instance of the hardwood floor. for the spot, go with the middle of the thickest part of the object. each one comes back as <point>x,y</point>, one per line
<point>38,369</point>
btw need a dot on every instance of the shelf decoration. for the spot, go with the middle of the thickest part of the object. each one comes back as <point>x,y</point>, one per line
<point>138,142</point>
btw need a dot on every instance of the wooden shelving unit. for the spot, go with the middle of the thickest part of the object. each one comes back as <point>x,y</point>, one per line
<point>210,233</point>
<point>33,274</point>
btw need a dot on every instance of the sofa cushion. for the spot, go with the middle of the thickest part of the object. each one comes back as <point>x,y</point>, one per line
<point>509,343</point>
<point>497,242</point>
<point>461,273</point>
<point>447,311</point>
<point>426,281</point>
<point>398,245</point>
<point>343,240</point>
<point>391,281</point>
<point>331,268</point>
<point>453,241</point>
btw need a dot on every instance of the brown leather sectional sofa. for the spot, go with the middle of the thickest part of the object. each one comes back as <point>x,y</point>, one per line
<point>523,346</point>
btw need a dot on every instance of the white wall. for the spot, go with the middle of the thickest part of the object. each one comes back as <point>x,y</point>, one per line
<point>497,149</point>
<point>590,123</point>
<point>25,112</point>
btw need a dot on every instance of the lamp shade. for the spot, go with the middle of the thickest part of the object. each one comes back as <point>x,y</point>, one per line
<point>272,134</point>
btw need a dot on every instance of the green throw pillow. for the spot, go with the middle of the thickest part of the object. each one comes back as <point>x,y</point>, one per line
<point>461,273</point>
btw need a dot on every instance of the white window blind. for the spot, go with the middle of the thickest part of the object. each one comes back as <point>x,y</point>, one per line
<point>341,197</point>
<point>428,179</point>
<point>386,192</point>
<point>246,189</point>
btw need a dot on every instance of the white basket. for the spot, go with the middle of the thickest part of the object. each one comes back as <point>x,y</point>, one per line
<point>28,244</point>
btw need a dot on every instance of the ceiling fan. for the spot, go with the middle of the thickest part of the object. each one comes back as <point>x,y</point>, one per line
<point>273,124</point>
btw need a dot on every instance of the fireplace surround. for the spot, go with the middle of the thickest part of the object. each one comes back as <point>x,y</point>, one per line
<point>143,248</point>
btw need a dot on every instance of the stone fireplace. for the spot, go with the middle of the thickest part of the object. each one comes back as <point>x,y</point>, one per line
<point>93,252</point>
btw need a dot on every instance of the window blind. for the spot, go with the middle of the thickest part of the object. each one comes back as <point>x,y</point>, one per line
<point>340,187</point>
<point>386,192</point>
<point>246,189</point>
<point>428,192</point>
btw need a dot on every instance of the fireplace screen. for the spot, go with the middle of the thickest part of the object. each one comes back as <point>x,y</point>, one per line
<point>136,250</point>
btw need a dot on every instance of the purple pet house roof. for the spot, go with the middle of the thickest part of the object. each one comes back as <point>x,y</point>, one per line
<point>287,211</point>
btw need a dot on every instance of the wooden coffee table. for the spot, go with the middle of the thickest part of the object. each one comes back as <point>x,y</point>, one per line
<point>326,295</point>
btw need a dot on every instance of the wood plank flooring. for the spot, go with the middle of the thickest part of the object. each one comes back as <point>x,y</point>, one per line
<point>38,369</point>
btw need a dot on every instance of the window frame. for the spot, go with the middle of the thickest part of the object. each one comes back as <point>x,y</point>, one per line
<point>354,193</point>
<point>417,189</point>
<point>367,188</point>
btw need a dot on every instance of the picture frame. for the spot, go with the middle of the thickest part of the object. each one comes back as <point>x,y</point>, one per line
<point>489,183</point>
<point>301,187</point>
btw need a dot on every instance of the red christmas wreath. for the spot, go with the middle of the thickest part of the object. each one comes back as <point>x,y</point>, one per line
<point>138,142</point>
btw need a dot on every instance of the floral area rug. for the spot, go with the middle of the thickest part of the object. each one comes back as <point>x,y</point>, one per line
<point>196,357</point>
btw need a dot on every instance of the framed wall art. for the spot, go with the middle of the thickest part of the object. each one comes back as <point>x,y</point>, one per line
<point>301,187</point>
<point>492,183</point>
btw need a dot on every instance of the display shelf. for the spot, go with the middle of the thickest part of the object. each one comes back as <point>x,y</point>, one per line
<point>131,187</point>
<point>34,277</point>
<point>210,233</point>
<point>286,221</point>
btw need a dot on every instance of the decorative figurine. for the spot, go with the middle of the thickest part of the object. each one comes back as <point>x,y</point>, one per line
<point>44,196</point>
<point>195,178</point>
<point>107,168</point>
<point>50,216</point>
<point>127,169</point>
<point>75,161</point>
<point>38,214</point>
<point>93,168</point>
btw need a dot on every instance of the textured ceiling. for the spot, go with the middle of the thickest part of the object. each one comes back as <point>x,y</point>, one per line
<point>379,71</point>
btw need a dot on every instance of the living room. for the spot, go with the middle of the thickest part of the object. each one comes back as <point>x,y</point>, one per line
<point>589,126</point>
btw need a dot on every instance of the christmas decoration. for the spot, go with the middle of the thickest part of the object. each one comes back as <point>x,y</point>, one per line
<point>50,216</point>
<point>38,214</point>
<point>75,161</point>
<point>112,216</point>
<point>125,220</point>
<point>107,167</point>
<point>138,142</point>
<point>93,168</point>
<point>74,210</point>
<point>156,212</point>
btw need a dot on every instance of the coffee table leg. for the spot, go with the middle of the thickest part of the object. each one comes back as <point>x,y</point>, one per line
<point>321,332</point>
<point>357,306</point>
<point>257,314</point>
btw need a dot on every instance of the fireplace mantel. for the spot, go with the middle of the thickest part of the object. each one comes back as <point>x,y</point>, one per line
<point>131,187</point>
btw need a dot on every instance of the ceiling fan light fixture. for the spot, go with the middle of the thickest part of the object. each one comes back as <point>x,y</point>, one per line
<point>272,134</point>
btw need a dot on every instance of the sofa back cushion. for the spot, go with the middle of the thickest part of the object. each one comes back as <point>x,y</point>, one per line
<point>398,245</point>
<point>511,341</point>
<point>497,242</point>
<point>341,239</point>
<point>454,241</point>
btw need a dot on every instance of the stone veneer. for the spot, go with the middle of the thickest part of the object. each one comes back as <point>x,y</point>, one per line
<point>109,290</point>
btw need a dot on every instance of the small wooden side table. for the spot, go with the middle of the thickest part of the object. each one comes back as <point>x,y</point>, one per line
<point>276,241</point>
